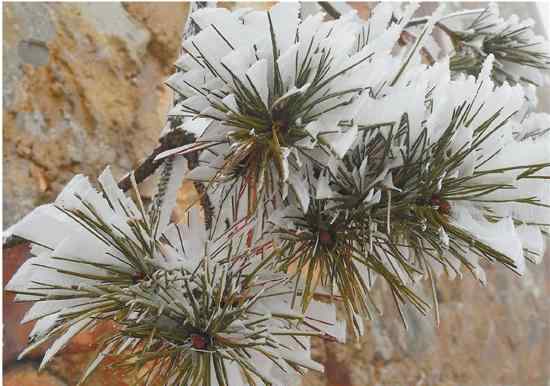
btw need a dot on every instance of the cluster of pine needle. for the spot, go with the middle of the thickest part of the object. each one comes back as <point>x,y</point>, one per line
<point>306,210</point>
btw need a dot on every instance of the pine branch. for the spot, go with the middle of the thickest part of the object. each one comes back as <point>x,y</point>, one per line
<point>190,28</point>
<point>171,140</point>
<point>331,11</point>
<point>424,20</point>
<point>201,189</point>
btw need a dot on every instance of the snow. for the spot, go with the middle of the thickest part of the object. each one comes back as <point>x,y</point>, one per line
<point>59,343</point>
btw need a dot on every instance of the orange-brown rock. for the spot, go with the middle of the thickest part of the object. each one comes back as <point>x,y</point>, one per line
<point>83,88</point>
<point>15,334</point>
<point>28,375</point>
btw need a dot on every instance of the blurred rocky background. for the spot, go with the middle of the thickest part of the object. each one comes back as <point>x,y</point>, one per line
<point>83,88</point>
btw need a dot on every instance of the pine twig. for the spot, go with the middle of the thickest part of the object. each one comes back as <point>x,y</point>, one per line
<point>171,140</point>
<point>330,10</point>
<point>190,28</point>
<point>204,201</point>
<point>333,12</point>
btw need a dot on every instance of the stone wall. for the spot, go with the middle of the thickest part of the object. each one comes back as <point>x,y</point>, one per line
<point>83,88</point>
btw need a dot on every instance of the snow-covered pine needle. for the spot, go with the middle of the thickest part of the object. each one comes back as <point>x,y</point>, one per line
<point>520,55</point>
<point>265,92</point>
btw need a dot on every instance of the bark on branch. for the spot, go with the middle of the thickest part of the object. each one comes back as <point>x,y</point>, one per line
<point>171,140</point>
<point>329,9</point>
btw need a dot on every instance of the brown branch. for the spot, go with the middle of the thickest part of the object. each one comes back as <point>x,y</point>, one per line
<point>171,140</point>
<point>192,28</point>
<point>329,9</point>
<point>192,162</point>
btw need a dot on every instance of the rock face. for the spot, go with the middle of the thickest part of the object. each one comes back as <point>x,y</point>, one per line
<point>83,89</point>
<point>496,335</point>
